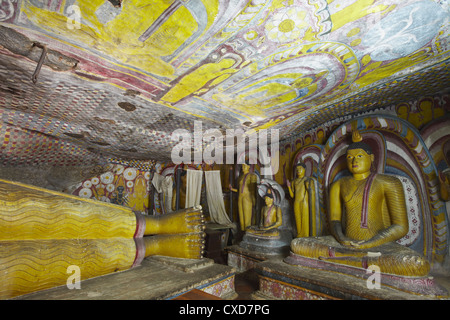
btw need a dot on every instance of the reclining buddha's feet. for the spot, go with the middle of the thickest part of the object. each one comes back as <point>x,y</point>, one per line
<point>189,220</point>
<point>188,245</point>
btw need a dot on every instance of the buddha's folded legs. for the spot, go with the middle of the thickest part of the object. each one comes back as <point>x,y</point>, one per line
<point>391,258</point>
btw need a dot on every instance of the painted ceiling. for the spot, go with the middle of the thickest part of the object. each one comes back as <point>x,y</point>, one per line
<point>119,77</point>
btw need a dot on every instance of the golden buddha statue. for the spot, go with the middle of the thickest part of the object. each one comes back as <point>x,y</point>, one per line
<point>269,237</point>
<point>43,230</point>
<point>271,219</point>
<point>375,217</point>
<point>247,196</point>
<point>303,194</point>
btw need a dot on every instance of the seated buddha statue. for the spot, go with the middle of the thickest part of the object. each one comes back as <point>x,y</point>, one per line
<point>375,218</point>
<point>271,219</point>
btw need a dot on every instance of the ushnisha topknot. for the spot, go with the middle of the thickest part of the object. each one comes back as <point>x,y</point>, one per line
<point>358,143</point>
<point>269,194</point>
<point>300,164</point>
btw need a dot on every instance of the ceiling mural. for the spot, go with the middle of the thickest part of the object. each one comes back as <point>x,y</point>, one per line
<point>120,76</point>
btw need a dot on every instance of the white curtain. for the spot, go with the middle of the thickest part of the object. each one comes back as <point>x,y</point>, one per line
<point>164,186</point>
<point>193,187</point>
<point>215,199</point>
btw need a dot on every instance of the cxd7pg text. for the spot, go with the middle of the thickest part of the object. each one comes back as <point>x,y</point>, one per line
<point>245,309</point>
<point>228,309</point>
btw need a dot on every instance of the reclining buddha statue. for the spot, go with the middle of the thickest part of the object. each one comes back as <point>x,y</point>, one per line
<point>375,214</point>
<point>44,232</point>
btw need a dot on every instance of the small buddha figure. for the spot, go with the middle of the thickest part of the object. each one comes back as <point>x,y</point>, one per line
<point>182,191</point>
<point>303,194</point>
<point>375,217</point>
<point>271,219</point>
<point>247,196</point>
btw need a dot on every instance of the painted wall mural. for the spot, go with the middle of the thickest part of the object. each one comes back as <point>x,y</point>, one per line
<point>418,112</point>
<point>122,184</point>
<point>421,112</point>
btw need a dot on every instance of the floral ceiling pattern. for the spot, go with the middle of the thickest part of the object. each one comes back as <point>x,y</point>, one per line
<point>120,76</point>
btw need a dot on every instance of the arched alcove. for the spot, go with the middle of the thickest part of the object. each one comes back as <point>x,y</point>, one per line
<point>400,151</point>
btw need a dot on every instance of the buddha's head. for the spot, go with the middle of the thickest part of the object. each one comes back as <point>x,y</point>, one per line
<point>245,167</point>
<point>359,158</point>
<point>300,168</point>
<point>268,198</point>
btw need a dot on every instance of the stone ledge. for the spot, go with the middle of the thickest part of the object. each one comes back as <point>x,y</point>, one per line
<point>279,280</point>
<point>185,265</point>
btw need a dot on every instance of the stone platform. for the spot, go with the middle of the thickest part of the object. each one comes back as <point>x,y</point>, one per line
<point>281,281</point>
<point>243,259</point>
<point>157,278</point>
<point>269,246</point>
<point>421,285</point>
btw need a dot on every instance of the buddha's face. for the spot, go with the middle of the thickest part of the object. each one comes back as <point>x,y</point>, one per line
<point>300,171</point>
<point>359,161</point>
<point>269,201</point>
<point>245,167</point>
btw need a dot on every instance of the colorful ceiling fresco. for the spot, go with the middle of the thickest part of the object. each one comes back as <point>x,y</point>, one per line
<point>121,76</point>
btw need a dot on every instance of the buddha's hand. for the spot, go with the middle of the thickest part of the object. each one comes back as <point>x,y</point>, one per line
<point>343,240</point>
<point>308,184</point>
<point>364,244</point>
<point>346,242</point>
<point>356,244</point>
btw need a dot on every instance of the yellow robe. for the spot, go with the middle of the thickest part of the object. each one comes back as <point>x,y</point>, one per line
<point>44,233</point>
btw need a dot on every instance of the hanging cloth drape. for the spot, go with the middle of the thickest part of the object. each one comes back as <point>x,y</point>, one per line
<point>193,187</point>
<point>164,186</point>
<point>215,199</point>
